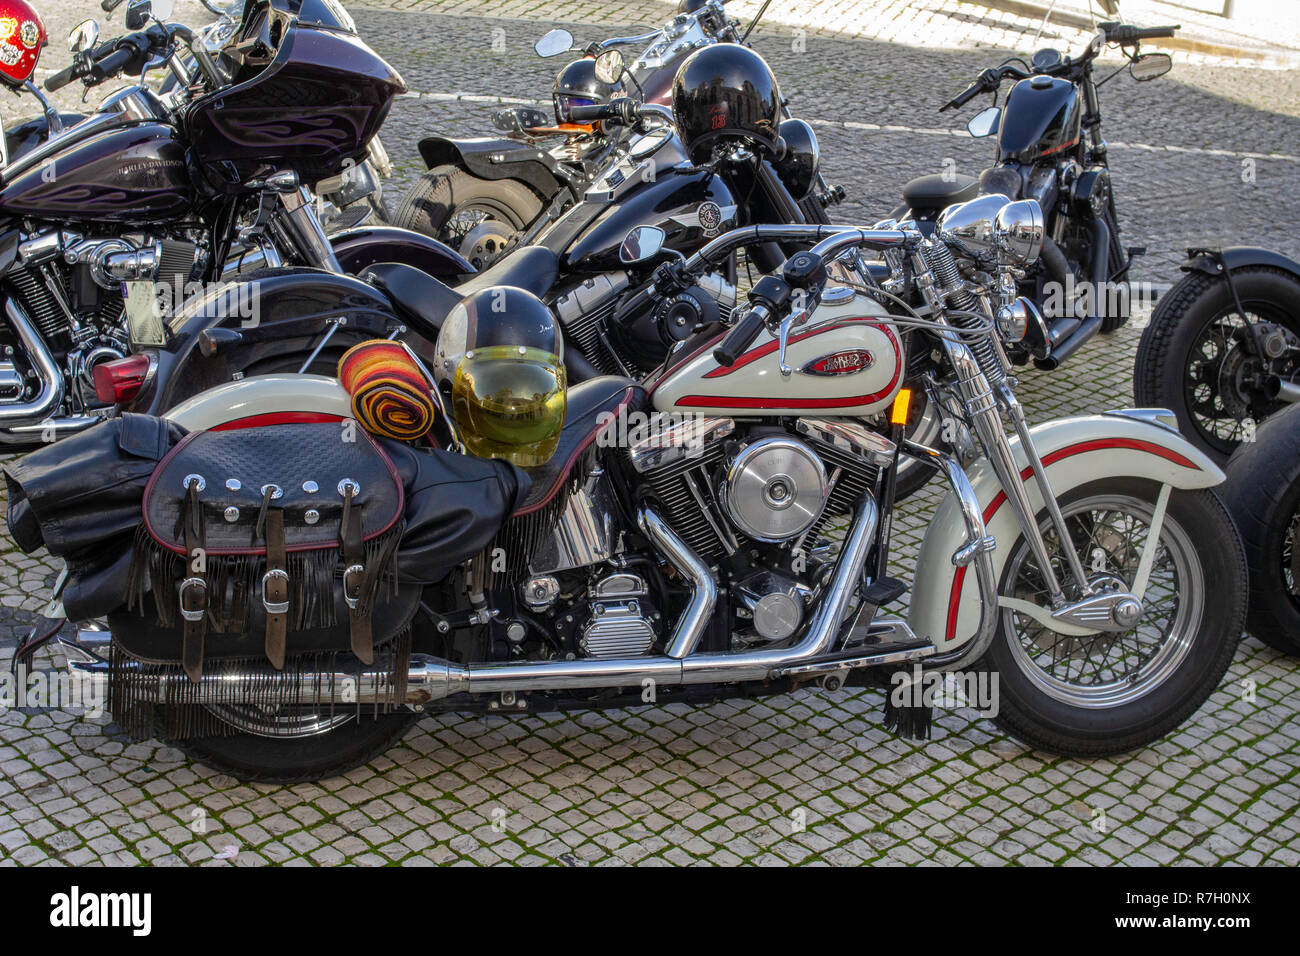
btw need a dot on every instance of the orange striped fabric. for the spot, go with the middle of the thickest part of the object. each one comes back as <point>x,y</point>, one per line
<point>390,396</point>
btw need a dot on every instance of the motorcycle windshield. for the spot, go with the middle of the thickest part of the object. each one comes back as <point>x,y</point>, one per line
<point>304,98</point>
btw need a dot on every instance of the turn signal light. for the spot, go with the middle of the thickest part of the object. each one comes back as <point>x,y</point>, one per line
<point>120,380</point>
<point>902,406</point>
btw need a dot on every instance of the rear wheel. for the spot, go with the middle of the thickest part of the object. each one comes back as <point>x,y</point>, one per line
<point>296,746</point>
<point>1263,494</point>
<point>1197,357</point>
<point>476,217</point>
<point>1112,691</point>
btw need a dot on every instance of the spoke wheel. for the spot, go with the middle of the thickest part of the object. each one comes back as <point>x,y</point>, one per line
<point>1109,534</point>
<point>1111,692</point>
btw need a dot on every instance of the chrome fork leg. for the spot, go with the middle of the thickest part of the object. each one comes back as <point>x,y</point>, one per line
<point>301,227</point>
<point>1017,413</point>
<point>973,386</point>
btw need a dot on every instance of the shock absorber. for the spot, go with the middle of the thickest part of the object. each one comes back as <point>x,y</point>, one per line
<point>948,279</point>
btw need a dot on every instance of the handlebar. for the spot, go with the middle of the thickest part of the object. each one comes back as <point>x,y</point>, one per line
<point>106,60</point>
<point>741,335</point>
<point>1121,33</point>
<point>1127,33</point>
<point>618,111</point>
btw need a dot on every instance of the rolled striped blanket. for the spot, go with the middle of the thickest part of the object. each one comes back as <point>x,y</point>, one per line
<point>390,395</point>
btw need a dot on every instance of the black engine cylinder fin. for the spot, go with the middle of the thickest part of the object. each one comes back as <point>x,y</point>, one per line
<point>948,276</point>
<point>855,478</point>
<point>39,303</point>
<point>672,485</point>
<point>584,332</point>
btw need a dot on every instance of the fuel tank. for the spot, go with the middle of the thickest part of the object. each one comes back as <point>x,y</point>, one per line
<point>691,206</point>
<point>847,360</point>
<point>134,174</point>
<point>1043,116</point>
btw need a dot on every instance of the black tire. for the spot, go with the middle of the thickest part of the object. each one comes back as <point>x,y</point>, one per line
<point>438,197</point>
<point>257,759</point>
<point>1177,323</point>
<point>1263,495</point>
<point>1042,720</point>
<point>1115,261</point>
<point>813,211</point>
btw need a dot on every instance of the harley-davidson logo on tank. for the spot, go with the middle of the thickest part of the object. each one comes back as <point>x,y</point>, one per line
<point>847,360</point>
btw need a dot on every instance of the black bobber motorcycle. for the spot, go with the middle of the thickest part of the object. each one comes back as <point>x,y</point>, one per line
<point>1050,148</point>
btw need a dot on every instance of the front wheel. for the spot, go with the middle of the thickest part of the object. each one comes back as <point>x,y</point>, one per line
<point>1198,357</point>
<point>1113,691</point>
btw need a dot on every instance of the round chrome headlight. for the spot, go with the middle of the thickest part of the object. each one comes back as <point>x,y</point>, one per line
<point>1018,230</point>
<point>969,226</point>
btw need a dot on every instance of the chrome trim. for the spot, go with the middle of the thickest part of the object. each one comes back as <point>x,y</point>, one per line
<point>50,394</point>
<point>704,586</point>
<point>678,441</point>
<point>848,437</point>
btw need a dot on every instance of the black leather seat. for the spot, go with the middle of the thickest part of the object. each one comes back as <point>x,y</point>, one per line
<point>587,405</point>
<point>935,192</point>
<point>424,301</point>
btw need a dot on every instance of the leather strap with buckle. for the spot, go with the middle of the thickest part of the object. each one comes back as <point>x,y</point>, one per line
<point>356,580</point>
<point>193,594</point>
<point>275,588</point>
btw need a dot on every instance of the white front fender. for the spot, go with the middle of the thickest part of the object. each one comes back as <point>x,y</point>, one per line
<point>264,400</point>
<point>945,599</point>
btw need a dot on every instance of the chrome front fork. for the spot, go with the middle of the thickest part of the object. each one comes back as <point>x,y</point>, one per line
<point>297,225</point>
<point>982,404</point>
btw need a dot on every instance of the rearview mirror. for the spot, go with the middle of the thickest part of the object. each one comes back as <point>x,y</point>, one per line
<point>985,122</point>
<point>1148,66</point>
<point>609,66</point>
<point>140,12</point>
<point>642,244</point>
<point>83,36</point>
<point>554,43</point>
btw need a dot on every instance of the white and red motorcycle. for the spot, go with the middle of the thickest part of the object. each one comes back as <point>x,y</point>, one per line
<point>736,541</point>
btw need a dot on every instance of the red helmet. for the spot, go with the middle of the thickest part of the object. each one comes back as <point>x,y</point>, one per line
<point>22,34</point>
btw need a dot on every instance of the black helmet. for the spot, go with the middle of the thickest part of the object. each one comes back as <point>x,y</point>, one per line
<point>577,85</point>
<point>500,353</point>
<point>726,92</point>
<point>798,158</point>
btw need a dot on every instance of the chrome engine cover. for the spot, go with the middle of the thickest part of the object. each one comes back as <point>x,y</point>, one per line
<point>775,489</point>
<point>617,627</point>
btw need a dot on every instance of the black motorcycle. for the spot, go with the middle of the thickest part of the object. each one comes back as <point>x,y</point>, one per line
<point>616,318</point>
<point>111,223</point>
<point>1050,148</point>
<point>485,195</point>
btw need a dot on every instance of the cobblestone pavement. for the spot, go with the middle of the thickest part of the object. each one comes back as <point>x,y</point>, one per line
<point>809,778</point>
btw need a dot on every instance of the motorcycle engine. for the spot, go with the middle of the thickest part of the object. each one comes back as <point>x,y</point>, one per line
<point>760,504</point>
<point>640,342</point>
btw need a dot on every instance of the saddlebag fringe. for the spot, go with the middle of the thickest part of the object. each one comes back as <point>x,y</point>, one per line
<point>133,689</point>
<point>234,582</point>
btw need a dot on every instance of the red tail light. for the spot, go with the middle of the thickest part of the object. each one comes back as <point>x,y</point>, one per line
<point>120,380</point>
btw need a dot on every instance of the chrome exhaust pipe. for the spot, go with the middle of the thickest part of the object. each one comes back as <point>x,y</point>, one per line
<point>50,395</point>
<point>1282,389</point>
<point>431,678</point>
<point>61,428</point>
